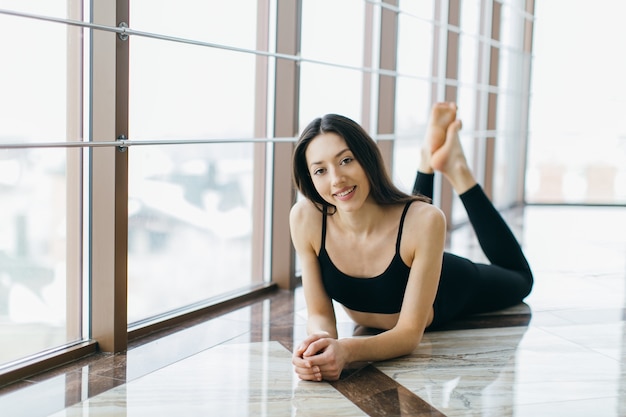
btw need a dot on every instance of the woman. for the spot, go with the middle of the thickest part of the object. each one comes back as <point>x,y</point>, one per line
<point>380,252</point>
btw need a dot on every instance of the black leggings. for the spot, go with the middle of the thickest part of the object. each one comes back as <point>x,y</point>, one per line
<point>466,287</point>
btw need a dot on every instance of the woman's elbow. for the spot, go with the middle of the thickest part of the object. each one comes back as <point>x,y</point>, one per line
<point>409,344</point>
<point>412,345</point>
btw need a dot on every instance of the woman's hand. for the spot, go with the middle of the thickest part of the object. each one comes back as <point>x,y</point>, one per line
<point>319,357</point>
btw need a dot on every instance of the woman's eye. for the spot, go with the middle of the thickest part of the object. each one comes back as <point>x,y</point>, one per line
<point>318,171</point>
<point>345,160</point>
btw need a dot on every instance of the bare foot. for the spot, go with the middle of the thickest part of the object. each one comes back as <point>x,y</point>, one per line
<point>449,159</point>
<point>442,114</point>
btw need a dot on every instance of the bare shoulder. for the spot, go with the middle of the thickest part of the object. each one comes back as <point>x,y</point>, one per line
<point>420,211</point>
<point>424,222</point>
<point>302,209</point>
<point>305,223</point>
<point>304,213</point>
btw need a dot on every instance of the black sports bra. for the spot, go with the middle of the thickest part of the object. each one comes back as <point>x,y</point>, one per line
<point>381,294</point>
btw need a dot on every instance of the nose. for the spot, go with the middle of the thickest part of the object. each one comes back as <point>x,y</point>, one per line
<point>337,176</point>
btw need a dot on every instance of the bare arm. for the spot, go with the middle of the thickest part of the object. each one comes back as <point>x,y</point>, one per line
<point>425,232</point>
<point>305,225</point>
<point>428,239</point>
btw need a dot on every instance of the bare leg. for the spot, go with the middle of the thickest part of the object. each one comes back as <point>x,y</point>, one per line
<point>442,114</point>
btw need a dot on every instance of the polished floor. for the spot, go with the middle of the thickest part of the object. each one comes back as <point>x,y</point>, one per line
<point>562,353</point>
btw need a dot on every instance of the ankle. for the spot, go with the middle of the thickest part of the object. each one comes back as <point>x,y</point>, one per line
<point>461,178</point>
<point>424,165</point>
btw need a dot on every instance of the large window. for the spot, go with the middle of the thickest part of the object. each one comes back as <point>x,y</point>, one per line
<point>577,144</point>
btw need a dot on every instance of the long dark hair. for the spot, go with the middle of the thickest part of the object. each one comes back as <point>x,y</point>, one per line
<point>365,151</point>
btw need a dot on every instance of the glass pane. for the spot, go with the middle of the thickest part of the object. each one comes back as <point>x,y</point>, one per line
<point>423,9</point>
<point>338,38</point>
<point>471,141</point>
<point>32,100</point>
<point>179,91</point>
<point>470,94</point>
<point>412,111</point>
<point>415,46</point>
<point>577,144</point>
<point>332,31</point>
<point>190,225</point>
<point>190,206</point>
<point>470,17</point>
<point>33,242</point>
<point>510,133</point>
<point>413,95</point>
<point>325,89</point>
<point>182,91</point>
<point>40,189</point>
<point>52,8</point>
<point>231,23</point>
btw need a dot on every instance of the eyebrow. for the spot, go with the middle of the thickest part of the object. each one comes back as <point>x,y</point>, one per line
<point>336,156</point>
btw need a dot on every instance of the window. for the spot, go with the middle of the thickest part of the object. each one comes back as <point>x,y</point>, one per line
<point>190,205</point>
<point>416,29</point>
<point>41,280</point>
<point>577,140</point>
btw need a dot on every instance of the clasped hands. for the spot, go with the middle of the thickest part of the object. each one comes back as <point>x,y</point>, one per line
<point>319,357</point>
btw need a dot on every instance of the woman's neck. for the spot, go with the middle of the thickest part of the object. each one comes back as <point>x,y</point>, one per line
<point>361,222</point>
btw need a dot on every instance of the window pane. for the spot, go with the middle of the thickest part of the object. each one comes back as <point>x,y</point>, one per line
<point>326,89</point>
<point>470,94</point>
<point>412,112</point>
<point>423,9</point>
<point>413,88</point>
<point>231,23</point>
<point>415,46</point>
<point>510,137</point>
<point>337,38</point>
<point>189,225</point>
<point>33,284</point>
<point>190,206</point>
<point>332,31</point>
<point>40,189</point>
<point>577,143</point>
<point>179,91</point>
<point>32,80</point>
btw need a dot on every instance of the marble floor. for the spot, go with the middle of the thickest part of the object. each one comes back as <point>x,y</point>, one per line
<point>561,353</point>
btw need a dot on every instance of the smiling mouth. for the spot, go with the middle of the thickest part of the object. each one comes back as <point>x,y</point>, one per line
<point>345,193</point>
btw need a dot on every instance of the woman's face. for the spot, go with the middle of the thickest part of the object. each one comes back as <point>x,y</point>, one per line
<point>337,176</point>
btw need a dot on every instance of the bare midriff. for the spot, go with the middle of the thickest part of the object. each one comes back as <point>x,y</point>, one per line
<point>379,320</point>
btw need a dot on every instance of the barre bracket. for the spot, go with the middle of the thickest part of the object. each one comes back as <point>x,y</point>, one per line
<point>123,35</point>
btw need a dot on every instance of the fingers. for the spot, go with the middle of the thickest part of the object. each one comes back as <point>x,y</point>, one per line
<point>305,370</point>
<point>301,359</point>
<point>311,372</point>
<point>311,360</point>
<point>327,364</point>
<point>323,365</point>
<point>316,347</point>
<point>308,341</point>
